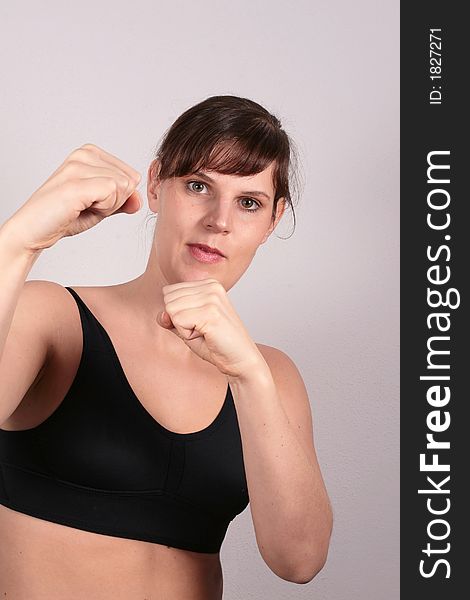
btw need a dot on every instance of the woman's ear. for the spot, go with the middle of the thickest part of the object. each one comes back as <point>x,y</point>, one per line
<point>153,185</point>
<point>280,208</point>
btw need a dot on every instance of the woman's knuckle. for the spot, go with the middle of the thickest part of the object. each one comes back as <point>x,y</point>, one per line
<point>78,155</point>
<point>72,166</point>
<point>89,147</point>
<point>113,184</point>
<point>216,287</point>
<point>123,181</point>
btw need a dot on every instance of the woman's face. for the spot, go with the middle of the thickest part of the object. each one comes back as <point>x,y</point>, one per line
<point>230,213</point>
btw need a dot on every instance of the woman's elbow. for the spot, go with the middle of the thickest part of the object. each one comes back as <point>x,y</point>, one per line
<point>306,573</point>
<point>305,557</point>
<point>305,569</point>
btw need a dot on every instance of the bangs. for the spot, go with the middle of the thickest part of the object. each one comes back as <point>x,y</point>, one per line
<point>247,153</point>
<point>234,158</point>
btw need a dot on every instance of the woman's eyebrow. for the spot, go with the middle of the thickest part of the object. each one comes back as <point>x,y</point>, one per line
<point>210,180</point>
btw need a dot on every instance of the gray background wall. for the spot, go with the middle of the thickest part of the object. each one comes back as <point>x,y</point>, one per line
<point>117,74</point>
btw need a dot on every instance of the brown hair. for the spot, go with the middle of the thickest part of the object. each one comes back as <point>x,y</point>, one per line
<point>230,135</point>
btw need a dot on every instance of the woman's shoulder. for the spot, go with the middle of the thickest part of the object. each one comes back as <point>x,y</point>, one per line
<point>51,290</point>
<point>280,363</point>
<point>293,395</point>
<point>56,299</point>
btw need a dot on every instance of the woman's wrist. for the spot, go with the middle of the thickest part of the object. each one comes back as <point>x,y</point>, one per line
<point>255,372</point>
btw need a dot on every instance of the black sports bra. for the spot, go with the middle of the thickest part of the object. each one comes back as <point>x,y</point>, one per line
<point>100,462</point>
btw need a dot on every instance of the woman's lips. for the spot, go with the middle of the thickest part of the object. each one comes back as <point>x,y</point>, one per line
<point>204,256</point>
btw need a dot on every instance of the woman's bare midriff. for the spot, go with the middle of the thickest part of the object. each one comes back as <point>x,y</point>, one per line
<point>40,560</point>
<point>46,561</point>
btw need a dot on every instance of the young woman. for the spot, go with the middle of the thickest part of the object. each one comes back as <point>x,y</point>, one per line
<point>137,420</point>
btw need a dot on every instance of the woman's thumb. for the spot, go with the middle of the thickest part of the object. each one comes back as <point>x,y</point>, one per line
<point>163,319</point>
<point>132,205</point>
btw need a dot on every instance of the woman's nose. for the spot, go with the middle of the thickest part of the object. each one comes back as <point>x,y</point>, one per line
<point>219,217</point>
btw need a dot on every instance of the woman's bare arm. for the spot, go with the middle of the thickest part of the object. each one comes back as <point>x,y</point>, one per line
<point>23,339</point>
<point>289,504</point>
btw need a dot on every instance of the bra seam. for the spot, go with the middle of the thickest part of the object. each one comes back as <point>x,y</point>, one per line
<point>168,462</point>
<point>83,488</point>
<point>122,493</point>
<point>3,483</point>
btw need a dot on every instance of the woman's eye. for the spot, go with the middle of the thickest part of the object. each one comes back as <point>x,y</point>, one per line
<point>192,185</point>
<point>253,204</point>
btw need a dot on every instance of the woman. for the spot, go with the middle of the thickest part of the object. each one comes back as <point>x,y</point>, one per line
<point>137,420</point>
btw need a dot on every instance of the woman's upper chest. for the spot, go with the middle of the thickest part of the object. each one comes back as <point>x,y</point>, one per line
<point>182,393</point>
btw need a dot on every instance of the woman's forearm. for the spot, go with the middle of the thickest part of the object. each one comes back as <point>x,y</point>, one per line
<point>15,264</point>
<point>288,500</point>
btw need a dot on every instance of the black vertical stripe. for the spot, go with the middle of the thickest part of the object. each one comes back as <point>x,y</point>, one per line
<point>175,466</point>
